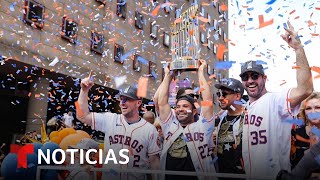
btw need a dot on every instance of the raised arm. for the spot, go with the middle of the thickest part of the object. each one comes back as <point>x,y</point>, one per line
<point>83,113</point>
<point>163,96</point>
<point>207,103</point>
<point>304,78</point>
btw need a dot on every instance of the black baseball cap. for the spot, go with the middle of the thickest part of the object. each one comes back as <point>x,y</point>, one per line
<point>130,92</point>
<point>187,98</point>
<point>231,84</point>
<point>251,66</point>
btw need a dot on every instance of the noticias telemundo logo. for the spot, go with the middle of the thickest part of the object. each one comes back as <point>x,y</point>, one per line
<point>58,156</point>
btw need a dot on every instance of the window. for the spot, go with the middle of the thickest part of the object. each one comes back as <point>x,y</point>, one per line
<point>97,42</point>
<point>202,37</point>
<point>152,69</point>
<point>166,39</point>
<point>136,63</point>
<point>209,18</point>
<point>69,29</point>
<point>138,20</point>
<point>118,52</point>
<point>154,30</point>
<point>220,31</point>
<point>210,70</point>
<point>121,8</point>
<point>102,1</point>
<point>215,24</point>
<point>167,8</point>
<point>34,14</point>
<point>209,44</point>
<point>225,15</point>
<point>202,11</point>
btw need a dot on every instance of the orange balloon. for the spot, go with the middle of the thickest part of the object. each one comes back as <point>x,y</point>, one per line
<point>53,134</point>
<point>83,133</point>
<point>71,140</point>
<point>66,131</point>
<point>56,139</point>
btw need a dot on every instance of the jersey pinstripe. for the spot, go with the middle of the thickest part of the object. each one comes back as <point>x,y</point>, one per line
<point>198,137</point>
<point>266,138</point>
<point>140,138</point>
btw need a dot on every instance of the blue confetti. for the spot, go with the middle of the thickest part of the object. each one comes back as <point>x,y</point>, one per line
<point>250,19</point>
<point>298,122</point>
<point>142,60</point>
<point>129,53</point>
<point>11,7</point>
<point>250,9</point>
<point>261,62</point>
<point>154,74</point>
<point>313,116</point>
<point>237,102</point>
<point>268,10</point>
<point>223,65</point>
<point>315,131</point>
<point>271,2</point>
<point>307,42</point>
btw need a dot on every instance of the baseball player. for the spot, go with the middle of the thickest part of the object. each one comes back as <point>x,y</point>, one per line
<point>229,136</point>
<point>266,136</point>
<point>123,131</point>
<point>187,145</point>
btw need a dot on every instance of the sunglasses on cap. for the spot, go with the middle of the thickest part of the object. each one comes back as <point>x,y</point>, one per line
<point>224,94</point>
<point>194,95</point>
<point>254,76</point>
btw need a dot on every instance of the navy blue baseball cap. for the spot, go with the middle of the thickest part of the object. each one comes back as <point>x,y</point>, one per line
<point>251,66</point>
<point>231,84</point>
<point>130,92</point>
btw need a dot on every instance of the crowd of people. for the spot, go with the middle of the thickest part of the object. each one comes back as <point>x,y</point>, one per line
<point>252,139</point>
<point>258,139</point>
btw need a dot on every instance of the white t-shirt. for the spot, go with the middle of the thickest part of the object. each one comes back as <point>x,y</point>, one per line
<point>68,120</point>
<point>266,138</point>
<point>141,139</point>
<point>198,137</point>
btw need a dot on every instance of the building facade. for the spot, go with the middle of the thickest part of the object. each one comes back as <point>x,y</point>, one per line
<point>48,46</point>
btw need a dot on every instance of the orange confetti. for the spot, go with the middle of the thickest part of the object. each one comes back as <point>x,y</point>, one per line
<point>191,32</point>
<point>296,67</point>
<point>314,34</point>
<point>262,23</point>
<point>78,110</point>
<point>205,20</point>
<point>206,103</point>
<point>224,7</point>
<point>292,12</point>
<point>220,51</point>
<point>155,11</point>
<point>142,87</point>
<point>317,8</point>
<point>178,20</point>
<point>315,69</point>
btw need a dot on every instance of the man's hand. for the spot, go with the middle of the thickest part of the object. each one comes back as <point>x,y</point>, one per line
<point>203,65</point>
<point>87,82</point>
<point>291,37</point>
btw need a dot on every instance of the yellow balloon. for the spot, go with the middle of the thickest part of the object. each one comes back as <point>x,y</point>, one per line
<point>83,133</point>
<point>53,134</point>
<point>56,139</point>
<point>71,140</point>
<point>66,131</point>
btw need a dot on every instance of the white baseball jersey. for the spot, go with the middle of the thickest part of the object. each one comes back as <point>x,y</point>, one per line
<point>266,139</point>
<point>140,138</point>
<point>198,137</point>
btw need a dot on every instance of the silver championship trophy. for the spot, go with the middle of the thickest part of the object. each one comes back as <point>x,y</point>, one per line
<point>185,41</point>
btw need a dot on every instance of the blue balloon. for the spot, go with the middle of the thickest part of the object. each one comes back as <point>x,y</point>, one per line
<point>49,174</point>
<point>9,166</point>
<point>37,146</point>
<point>51,146</point>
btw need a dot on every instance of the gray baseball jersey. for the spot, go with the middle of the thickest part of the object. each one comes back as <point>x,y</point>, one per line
<point>141,139</point>
<point>198,137</point>
<point>266,138</point>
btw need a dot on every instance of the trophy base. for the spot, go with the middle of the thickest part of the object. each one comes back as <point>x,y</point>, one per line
<point>186,65</point>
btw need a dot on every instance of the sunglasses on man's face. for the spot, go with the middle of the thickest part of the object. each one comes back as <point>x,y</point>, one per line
<point>254,76</point>
<point>194,96</point>
<point>125,99</point>
<point>224,94</point>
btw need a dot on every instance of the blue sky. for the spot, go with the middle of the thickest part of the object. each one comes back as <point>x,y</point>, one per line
<point>249,42</point>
